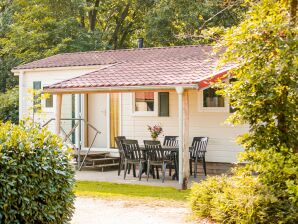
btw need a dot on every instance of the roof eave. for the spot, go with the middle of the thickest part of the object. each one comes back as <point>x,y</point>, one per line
<point>117,89</point>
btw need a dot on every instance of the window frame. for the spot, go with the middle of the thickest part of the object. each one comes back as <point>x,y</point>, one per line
<point>44,108</point>
<point>45,103</point>
<point>37,98</point>
<point>201,107</point>
<point>153,113</point>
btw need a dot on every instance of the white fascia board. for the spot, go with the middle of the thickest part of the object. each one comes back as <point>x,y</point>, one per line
<point>18,71</point>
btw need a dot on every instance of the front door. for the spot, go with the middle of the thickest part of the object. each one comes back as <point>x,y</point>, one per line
<point>97,116</point>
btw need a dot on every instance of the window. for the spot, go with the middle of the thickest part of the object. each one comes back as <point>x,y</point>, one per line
<point>163,104</point>
<point>211,99</point>
<point>151,104</point>
<point>36,96</point>
<point>49,101</point>
<point>144,101</point>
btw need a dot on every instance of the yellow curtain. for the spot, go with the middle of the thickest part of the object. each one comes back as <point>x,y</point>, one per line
<point>114,118</point>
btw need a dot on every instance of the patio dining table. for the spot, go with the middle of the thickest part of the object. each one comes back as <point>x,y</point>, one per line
<point>174,153</point>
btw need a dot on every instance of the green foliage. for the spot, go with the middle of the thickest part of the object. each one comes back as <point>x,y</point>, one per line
<point>226,200</point>
<point>36,178</point>
<point>269,197</point>
<point>180,22</point>
<point>39,30</point>
<point>264,48</point>
<point>9,105</point>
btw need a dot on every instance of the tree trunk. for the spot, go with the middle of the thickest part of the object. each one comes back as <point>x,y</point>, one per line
<point>92,16</point>
<point>126,31</point>
<point>119,21</point>
<point>293,11</point>
<point>82,18</point>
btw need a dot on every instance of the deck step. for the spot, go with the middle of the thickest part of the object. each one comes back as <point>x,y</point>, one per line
<point>102,166</point>
<point>90,154</point>
<point>102,159</point>
<point>96,159</point>
<point>106,165</point>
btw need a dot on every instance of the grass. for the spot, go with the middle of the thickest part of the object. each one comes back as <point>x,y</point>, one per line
<point>105,189</point>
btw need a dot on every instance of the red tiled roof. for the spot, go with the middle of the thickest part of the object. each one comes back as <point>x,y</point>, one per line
<point>125,55</point>
<point>165,66</point>
<point>147,73</point>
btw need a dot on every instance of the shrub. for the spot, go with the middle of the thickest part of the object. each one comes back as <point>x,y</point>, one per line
<point>202,194</point>
<point>9,105</point>
<point>36,178</point>
<point>264,94</point>
<point>270,196</point>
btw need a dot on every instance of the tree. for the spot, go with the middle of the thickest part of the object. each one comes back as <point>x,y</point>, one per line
<point>264,47</point>
<point>179,22</point>
<point>9,105</point>
<point>264,94</point>
<point>6,63</point>
<point>118,21</point>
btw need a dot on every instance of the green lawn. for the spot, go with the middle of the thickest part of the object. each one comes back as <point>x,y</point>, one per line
<point>105,189</point>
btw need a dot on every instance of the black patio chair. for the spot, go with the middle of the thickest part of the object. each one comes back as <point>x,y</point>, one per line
<point>118,141</point>
<point>170,141</point>
<point>133,156</point>
<point>156,157</point>
<point>197,153</point>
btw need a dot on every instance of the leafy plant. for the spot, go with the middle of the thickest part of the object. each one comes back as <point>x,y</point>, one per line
<point>9,105</point>
<point>264,93</point>
<point>245,198</point>
<point>36,178</point>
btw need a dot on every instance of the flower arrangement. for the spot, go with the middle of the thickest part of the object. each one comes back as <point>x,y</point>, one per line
<point>155,131</point>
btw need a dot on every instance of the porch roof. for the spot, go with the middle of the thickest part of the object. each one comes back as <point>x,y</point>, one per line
<point>144,68</point>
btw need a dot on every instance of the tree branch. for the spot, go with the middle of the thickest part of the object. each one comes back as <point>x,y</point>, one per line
<point>218,13</point>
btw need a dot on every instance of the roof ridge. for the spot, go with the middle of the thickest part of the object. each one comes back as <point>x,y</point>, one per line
<point>87,58</point>
<point>134,49</point>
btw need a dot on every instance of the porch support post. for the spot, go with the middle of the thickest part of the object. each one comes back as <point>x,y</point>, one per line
<point>180,91</point>
<point>108,116</point>
<point>183,136</point>
<point>185,157</point>
<point>58,113</point>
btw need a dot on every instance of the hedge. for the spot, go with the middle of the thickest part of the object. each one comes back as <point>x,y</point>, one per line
<point>36,178</point>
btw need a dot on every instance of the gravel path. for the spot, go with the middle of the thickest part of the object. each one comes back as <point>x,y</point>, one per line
<point>133,211</point>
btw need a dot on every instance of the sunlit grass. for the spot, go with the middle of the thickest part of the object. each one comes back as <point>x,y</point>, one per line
<point>105,189</point>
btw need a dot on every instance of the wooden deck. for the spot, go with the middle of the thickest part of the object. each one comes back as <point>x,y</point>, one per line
<point>109,174</point>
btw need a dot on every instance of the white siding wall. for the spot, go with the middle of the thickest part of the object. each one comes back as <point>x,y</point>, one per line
<point>221,147</point>
<point>47,78</point>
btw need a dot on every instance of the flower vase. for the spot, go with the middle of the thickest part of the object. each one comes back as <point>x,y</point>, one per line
<point>154,137</point>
